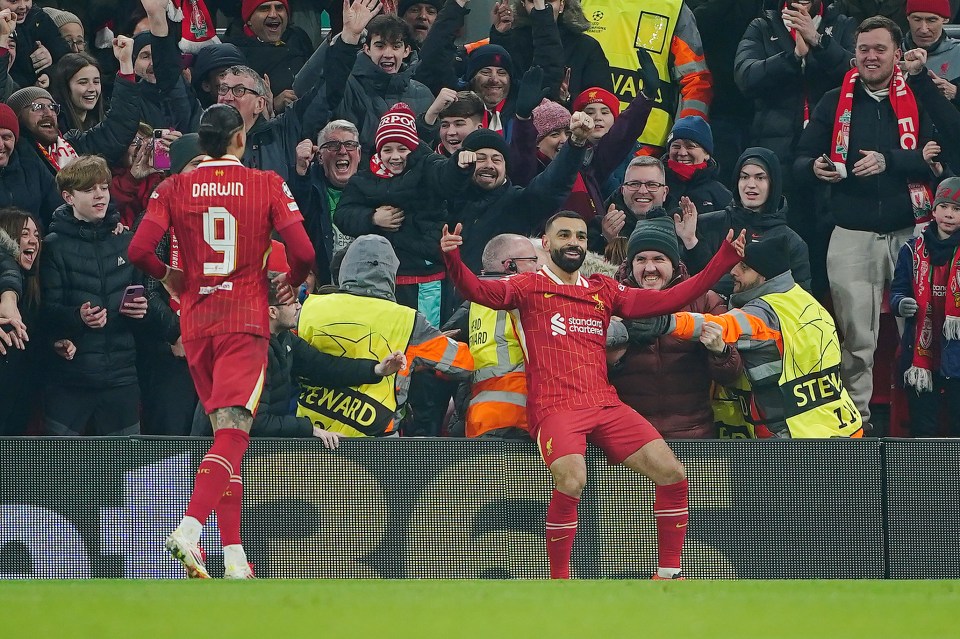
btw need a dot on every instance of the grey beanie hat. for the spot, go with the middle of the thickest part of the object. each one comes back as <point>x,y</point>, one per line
<point>61,17</point>
<point>21,99</point>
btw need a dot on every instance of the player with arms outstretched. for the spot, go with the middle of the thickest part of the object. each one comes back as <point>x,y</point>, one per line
<point>223,214</point>
<point>570,400</point>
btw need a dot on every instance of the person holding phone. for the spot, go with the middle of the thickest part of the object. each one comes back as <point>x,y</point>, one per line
<point>86,297</point>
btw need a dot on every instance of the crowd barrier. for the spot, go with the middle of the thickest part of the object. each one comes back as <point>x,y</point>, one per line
<point>431,508</point>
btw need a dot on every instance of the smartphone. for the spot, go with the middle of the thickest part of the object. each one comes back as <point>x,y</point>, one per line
<point>161,157</point>
<point>131,293</point>
<point>830,163</point>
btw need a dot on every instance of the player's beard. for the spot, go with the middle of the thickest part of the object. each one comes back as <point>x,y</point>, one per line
<point>568,264</point>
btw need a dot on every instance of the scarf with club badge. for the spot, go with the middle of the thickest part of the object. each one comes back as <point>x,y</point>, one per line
<point>908,122</point>
<point>929,317</point>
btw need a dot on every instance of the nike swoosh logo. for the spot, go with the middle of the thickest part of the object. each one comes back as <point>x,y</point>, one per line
<point>683,525</point>
<point>774,38</point>
<point>559,538</point>
<point>548,295</point>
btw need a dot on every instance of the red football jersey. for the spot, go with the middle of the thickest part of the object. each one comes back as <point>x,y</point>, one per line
<point>223,214</point>
<point>565,325</point>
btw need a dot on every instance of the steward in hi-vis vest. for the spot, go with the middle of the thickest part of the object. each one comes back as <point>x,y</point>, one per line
<point>365,322</point>
<point>668,31</point>
<point>789,346</point>
<point>498,397</point>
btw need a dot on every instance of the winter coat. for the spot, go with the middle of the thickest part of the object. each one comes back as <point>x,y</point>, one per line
<point>600,160</point>
<point>944,116</point>
<point>83,262</point>
<point>860,10</point>
<point>280,61</point>
<point>712,227</point>
<point>768,72</point>
<point>877,203</point>
<point>943,58</point>
<point>420,191</point>
<point>8,85</point>
<point>111,136</point>
<point>669,380</point>
<point>903,286</point>
<point>19,369</point>
<point>310,192</point>
<point>26,184</point>
<point>361,92</point>
<point>272,144</point>
<point>703,188</point>
<point>539,38</point>
<point>289,359</point>
<point>11,279</point>
<point>170,103</point>
<point>37,27</point>
<point>442,62</point>
<point>510,208</point>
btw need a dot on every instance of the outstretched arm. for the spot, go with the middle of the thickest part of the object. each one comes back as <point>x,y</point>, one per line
<point>495,294</point>
<point>636,303</point>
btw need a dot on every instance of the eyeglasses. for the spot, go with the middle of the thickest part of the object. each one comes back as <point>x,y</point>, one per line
<point>76,45</point>
<point>238,90</point>
<point>636,184</point>
<point>335,146</point>
<point>53,107</point>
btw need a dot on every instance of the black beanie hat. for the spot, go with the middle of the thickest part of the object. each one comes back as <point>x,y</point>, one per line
<point>184,149</point>
<point>486,139</point>
<point>489,55</point>
<point>141,40</point>
<point>658,234</point>
<point>768,257</point>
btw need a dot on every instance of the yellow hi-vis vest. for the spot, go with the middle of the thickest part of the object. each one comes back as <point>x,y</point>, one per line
<point>813,400</point>
<point>731,410</point>
<point>338,324</point>
<point>498,398</point>
<point>621,27</point>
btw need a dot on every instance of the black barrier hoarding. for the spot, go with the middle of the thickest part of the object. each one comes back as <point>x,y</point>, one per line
<point>923,508</point>
<point>424,508</point>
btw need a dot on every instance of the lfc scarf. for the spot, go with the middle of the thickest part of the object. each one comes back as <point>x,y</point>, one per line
<point>926,350</point>
<point>59,154</point>
<point>494,123</point>
<point>908,122</point>
<point>378,168</point>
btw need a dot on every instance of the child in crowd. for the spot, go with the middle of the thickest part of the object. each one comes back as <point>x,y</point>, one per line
<point>926,291</point>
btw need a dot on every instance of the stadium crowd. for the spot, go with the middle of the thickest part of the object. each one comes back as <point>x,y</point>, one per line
<point>828,133</point>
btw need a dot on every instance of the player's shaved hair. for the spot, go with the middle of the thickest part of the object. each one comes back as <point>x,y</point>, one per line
<point>218,124</point>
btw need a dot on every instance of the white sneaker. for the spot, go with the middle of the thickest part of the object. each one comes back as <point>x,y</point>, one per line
<point>238,571</point>
<point>187,554</point>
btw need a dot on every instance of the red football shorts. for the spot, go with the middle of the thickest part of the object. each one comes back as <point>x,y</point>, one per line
<point>619,431</point>
<point>228,370</point>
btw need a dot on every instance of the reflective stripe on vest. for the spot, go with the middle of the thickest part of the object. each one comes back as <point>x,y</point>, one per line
<point>499,394</point>
<point>814,402</point>
<point>339,327</point>
<point>623,27</point>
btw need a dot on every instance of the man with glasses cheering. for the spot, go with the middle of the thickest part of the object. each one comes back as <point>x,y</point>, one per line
<point>643,190</point>
<point>272,141</point>
<point>322,170</point>
<point>39,130</point>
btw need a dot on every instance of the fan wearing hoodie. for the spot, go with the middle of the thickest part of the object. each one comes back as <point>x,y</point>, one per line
<point>362,84</point>
<point>758,207</point>
<point>402,197</point>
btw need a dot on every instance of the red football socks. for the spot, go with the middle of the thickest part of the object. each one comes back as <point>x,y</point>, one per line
<point>670,511</point>
<point>561,529</point>
<point>216,468</point>
<point>228,511</point>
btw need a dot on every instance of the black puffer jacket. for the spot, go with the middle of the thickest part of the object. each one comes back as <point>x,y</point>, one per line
<point>11,279</point>
<point>37,27</point>
<point>83,262</point>
<point>289,359</point>
<point>768,72</point>
<point>170,102</point>
<point>703,188</point>
<point>419,191</point>
<point>712,227</point>
<point>280,62</point>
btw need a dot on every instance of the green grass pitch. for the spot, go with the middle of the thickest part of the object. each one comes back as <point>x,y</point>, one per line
<point>269,609</point>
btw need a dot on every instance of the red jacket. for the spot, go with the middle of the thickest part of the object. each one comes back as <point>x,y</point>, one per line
<point>668,381</point>
<point>130,195</point>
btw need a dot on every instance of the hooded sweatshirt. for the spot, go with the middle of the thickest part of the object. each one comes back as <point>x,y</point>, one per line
<point>770,221</point>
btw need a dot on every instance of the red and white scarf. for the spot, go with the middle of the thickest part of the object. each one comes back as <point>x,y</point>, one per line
<point>494,123</point>
<point>908,122</point>
<point>378,168</point>
<point>59,154</point>
<point>926,349</point>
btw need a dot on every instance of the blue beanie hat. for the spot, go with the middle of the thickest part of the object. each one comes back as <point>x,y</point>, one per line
<point>695,129</point>
<point>489,55</point>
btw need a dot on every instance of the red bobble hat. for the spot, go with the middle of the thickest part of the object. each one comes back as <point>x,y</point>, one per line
<point>596,95</point>
<point>938,7</point>
<point>398,125</point>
